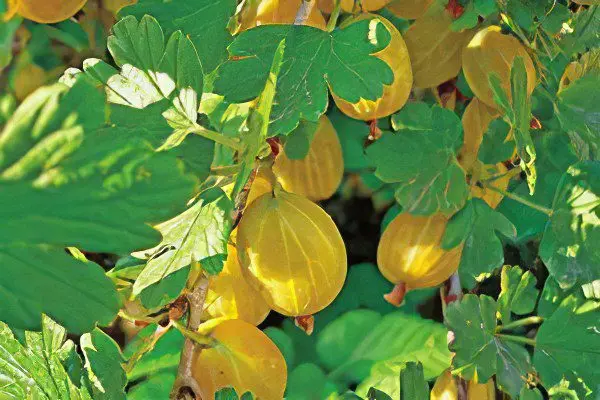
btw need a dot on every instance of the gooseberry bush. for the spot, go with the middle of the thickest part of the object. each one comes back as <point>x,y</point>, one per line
<point>169,170</point>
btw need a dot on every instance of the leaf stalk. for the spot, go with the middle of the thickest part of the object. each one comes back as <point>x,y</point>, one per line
<point>519,323</point>
<point>217,137</point>
<point>516,339</point>
<point>520,199</point>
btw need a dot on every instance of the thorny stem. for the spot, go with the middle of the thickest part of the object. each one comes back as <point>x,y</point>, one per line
<point>217,137</point>
<point>304,12</point>
<point>185,387</point>
<point>520,199</point>
<point>334,16</point>
<point>519,323</point>
<point>517,339</point>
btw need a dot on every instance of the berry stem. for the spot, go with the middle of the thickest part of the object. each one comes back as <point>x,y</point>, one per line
<point>517,339</point>
<point>520,199</point>
<point>217,137</point>
<point>334,15</point>
<point>521,322</point>
<point>185,382</point>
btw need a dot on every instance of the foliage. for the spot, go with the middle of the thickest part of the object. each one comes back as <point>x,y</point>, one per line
<point>147,146</point>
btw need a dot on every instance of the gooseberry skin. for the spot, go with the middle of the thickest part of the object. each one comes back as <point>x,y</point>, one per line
<point>268,12</point>
<point>444,388</point>
<point>409,9</point>
<point>395,95</point>
<point>318,175</point>
<point>48,11</point>
<point>410,251</point>
<point>244,358</point>
<point>475,122</point>
<point>435,58</point>
<point>292,253</point>
<point>492,51</point>
<point>348,5</point>
<point>230,296</point>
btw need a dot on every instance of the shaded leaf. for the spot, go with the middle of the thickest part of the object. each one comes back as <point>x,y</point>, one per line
<point>477,225</point>
<point>518,293</point>
<point>568,247</point>
<point>568,345</point>
<point>479,351</point>
<point>412,382</point>
<point>423,163</point>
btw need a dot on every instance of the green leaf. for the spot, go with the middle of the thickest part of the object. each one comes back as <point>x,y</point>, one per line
<point>352,344</point>
<point>568,247</point>
<point>579,112</point>
<point>375,394</point>
<point>555,156</point>
<point>258,123</point>
<point>7,34</point>
<point>199,234</point>
<point>518,294</point>
<point>103,363</point>
<point>477,225</point>
<point>568,345</point>
<point>308,381</point>
<point>352,135</point>
<point>521,106</point>
<point>552,296</point>
<point>479,351</point>
<point>494,148</point>
<point>412,382</point>
<point>314,59</point>
<point>423,163</point>
<point>157,386</point>
<point>160,357</point>
<point>298,142</point>
<point>34,369</point>
<point>586,25</point>
<point>164,291</point>
<point>284,343</point>
<point>197,19</point>
<point>59,167</point>
<point>37,279</point>
<point>173,69</point>
<point>530,394</point>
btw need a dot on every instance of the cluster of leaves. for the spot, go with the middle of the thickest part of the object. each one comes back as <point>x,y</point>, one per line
<point>132,141</point>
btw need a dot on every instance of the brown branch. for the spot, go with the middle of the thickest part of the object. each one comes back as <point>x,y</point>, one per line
<point>304,12</point>
<point>186,387</point>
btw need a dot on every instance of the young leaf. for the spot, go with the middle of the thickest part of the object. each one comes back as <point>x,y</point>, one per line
<point>314,59</point>
<point>479,351</point>
<point>423,163</point>
<point>568,247</point>
<point>197,19</point>
<point>412,382</point>
<point>567,344</point>
<point>173,69</point>
<point>198,234</point>
<point>477,224</point>
<point>518,294</point>
<point>34,368</point>
<point>518,113</point>
<point>103,363</point>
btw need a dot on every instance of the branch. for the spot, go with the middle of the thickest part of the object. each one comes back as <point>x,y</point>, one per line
<point>186,387</point>
<point>304,12</point>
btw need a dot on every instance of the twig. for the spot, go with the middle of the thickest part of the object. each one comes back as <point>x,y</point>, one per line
<point>185,386</point>
<point>304,12</point>
<point>520,199</point>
